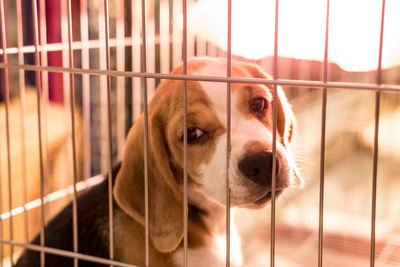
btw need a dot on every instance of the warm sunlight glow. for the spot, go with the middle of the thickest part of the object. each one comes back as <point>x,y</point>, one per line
<point>353,32</point>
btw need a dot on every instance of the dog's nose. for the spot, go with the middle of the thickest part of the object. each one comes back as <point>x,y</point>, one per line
<point>257,166</point>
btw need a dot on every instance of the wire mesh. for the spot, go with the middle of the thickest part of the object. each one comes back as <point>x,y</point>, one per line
<point>178,48</point>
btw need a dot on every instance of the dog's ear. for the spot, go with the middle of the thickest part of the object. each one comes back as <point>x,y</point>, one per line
<point>165,200</point>
<point>285,116</point>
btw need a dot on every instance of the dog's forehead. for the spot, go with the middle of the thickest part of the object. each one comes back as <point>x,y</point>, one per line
<point>217,91</point>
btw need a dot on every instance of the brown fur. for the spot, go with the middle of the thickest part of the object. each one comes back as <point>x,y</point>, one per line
<point>165,113</point>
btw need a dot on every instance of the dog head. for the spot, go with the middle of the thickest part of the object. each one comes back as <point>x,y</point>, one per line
<point>250,160</point>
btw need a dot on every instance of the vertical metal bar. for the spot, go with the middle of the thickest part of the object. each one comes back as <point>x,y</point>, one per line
<point>136,55</point>
<point>185,144</point>
<point>45,83</point>
<point>151,48</point>
<point>228,135</point>
<point>146,136</point>
<point>45,79</point>
<point>171,32</point>
<point>376,138</point>
<point>176,36</point>
<point>103,91</point>
<point>120,45</point>
<point>109,124</point>
<point>85,89</point>
<point>72,104</point>
<point>164,36</point>
<point>323,135</point>
<point>1,220</point>
<point>274,127</point>
<point>21,76</point>
<point>7,100</point>
<point>190,40</point>
<point>39,90</point>
<point>66,85</point>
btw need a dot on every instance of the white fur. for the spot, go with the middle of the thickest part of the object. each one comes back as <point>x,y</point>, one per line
<point>214,255</point>
<point>243,131</point>
<point>212,196</point>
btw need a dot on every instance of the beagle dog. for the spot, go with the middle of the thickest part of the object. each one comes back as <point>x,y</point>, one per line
<point>250,171</point>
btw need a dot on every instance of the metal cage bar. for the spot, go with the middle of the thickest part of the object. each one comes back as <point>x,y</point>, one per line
<point>38,92</point>
<point>66,253</point>
<point>185,137</point>
<point>109,126</point>
<point>103,89</point>
<point>323,135</point>
<point>274,128</point>
<point>45,82</point>
<point>120,94</point>
<point>376,139</point>
<point>136,57</point>
<point>146,136</point>
<point>21,77</point>
<point>144,75</point>
<point>74,160</point>
<point>281,82</point>
<point>228,133</point>
<point>85,88</point>
<point>1,220</point>
<point>7,100</point>
<point>52,47</point>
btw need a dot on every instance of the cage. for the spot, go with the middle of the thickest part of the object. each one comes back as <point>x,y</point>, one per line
<point>76,74</point>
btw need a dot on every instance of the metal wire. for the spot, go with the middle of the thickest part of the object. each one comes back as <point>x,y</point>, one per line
<point>274,127</point>
<point>325,85</point>
<point>66,253</point>
<point>53,47</point>
<point>74,162</point>
<point>21,77</point>
<point>109,126</point>
<point>228,135</point>
<point>120,60</point>
<point>45,83</point>
<point>323,135</point>
<point>376,139</point>
<point>38,92</point>
<point>185,141</point>
<point>83,185</point>
<point>1,220</point>
<point>85,89</point>
<point>281,82</point>
<point>136,58</point>
<point>146,137</point>
<point>7,100</point>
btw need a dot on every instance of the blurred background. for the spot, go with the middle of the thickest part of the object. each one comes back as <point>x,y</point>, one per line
<point>354,30</point>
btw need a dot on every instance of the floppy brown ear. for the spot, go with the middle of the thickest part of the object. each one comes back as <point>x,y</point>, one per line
<point>165,201</point>
<point>285,116</point>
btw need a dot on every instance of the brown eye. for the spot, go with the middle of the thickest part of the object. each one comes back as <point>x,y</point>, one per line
<point>258,104</point>
<point>194,134</point>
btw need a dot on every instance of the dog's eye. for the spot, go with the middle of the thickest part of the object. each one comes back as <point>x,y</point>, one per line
<point>258,104</point>
<point>193,134</point>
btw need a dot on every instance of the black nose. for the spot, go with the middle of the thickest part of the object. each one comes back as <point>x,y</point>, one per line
<point>257,166</point>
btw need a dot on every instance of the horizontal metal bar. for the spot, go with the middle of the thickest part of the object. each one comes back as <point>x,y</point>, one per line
<point>77,45</point>
<point>282,82</point>
<point>88,183</point>
<point>65,253</point>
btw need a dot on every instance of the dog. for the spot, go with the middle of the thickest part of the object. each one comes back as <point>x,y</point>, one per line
<point>250,171</point>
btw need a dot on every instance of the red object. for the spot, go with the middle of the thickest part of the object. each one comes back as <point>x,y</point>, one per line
<point>53,23</point>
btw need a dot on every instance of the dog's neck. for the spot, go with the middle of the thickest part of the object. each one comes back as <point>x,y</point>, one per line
<point>212,217</point>
<point>212,213</point>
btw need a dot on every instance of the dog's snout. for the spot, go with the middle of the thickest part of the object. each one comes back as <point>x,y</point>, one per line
<point>257,166</point>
